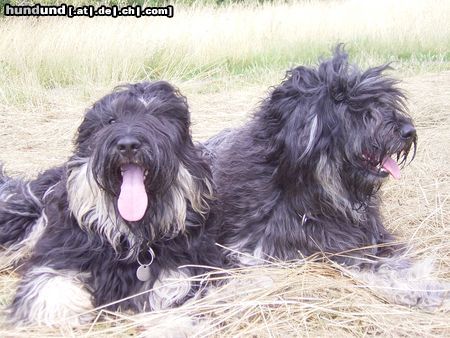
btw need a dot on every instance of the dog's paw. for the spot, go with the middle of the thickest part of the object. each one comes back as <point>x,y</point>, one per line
<point>430,297</point>
<point>48,297</point>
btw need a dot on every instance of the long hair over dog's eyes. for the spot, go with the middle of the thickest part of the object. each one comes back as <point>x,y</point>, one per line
<point>112,120</point>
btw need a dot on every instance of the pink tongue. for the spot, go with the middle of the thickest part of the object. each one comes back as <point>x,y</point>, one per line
<point>392,167</point>
<point>133,198</point>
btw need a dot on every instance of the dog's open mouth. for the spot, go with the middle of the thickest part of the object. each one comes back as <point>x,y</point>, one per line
<point>387,166</point>
<point>133,199</point>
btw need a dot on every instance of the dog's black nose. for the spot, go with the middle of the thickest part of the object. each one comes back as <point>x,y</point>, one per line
<point>407,130</point>
<point>128,145</point>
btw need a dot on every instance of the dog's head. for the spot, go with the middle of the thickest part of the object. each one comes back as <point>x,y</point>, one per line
<point>345,128</point>
<point>135,155</point>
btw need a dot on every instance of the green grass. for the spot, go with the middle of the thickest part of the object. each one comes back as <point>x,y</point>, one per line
<point>236,43</point>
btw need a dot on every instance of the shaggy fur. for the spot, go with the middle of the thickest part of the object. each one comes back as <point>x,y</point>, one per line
<point>302,176</point>
<point>78,251</point>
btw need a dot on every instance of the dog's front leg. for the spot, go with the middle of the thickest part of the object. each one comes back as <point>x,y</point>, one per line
<point>50,297</point>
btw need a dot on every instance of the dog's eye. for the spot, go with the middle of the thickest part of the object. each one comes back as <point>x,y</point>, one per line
<point>111,121</point>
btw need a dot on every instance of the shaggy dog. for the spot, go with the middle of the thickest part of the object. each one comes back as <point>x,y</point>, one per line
<point>302,176</point>
<point>122,216</point>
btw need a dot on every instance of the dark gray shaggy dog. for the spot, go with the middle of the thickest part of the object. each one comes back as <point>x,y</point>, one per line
<point>302,176</point>
<point>121,217</point>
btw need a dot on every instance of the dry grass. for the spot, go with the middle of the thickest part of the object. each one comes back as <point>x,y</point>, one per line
<point>285,299</point>
<point>224,62</point>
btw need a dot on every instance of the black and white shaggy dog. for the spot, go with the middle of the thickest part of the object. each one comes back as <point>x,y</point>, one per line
<point>124,215</point>
<point>302,176</point>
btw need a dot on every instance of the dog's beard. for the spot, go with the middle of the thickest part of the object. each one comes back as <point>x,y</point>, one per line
<point>97,209</point>
<point>92,207</point>
<point>133,180</point>
<point>387,159</point>
<point>350,174</point>
<point>371,163</point>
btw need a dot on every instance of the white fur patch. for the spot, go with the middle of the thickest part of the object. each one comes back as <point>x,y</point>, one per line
<point>192,192</point>
<point>246,258</point>
<point>92,208</point>
<point>312,136</point>
<point>327,173</point>
<point>145,102</point>
<point>185,188</point>
<point>171,287</point>
<point>49,297</point>
<point>23,249</point>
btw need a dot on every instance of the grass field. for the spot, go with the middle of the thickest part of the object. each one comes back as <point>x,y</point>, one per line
<point>224,59</point>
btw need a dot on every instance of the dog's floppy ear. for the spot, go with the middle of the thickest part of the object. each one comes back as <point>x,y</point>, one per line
<point>171,103</point>
<point>201,187</point>
<point>91,123</point>
<point>194,174</point>
<point>300,119</point>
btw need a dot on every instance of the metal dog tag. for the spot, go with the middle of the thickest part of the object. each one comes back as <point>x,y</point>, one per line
<point>143,273</point>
